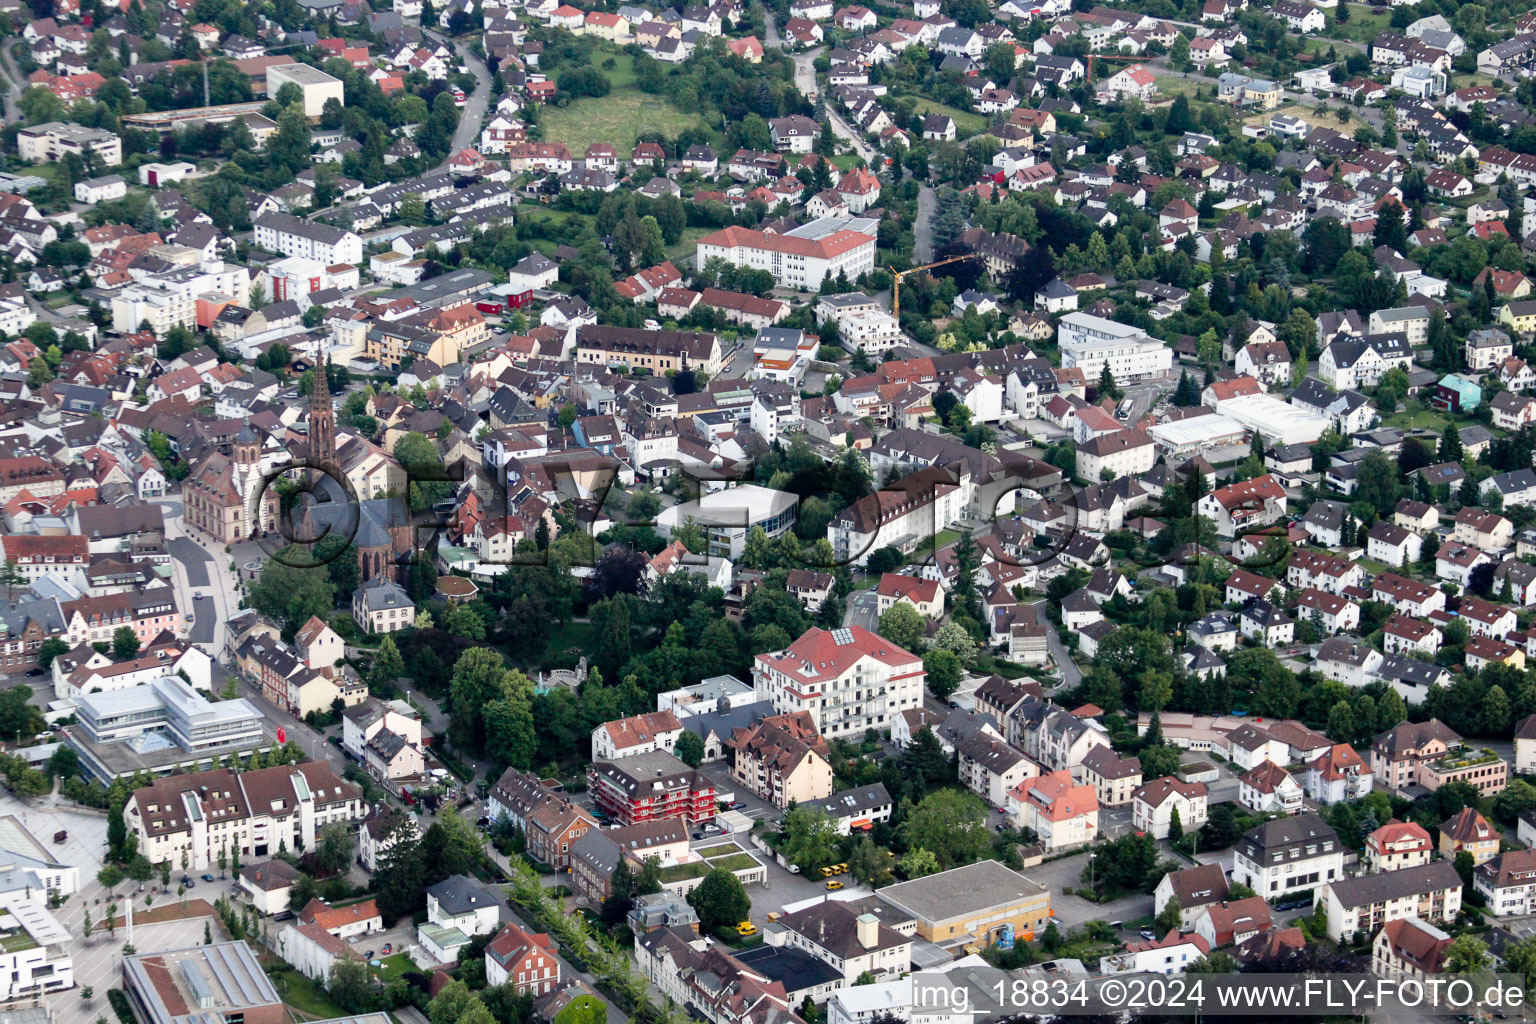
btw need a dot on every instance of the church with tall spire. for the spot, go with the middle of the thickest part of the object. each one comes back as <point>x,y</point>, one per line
<point>322,422</point>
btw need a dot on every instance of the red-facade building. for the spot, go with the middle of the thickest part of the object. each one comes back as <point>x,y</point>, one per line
<point>651,787</point>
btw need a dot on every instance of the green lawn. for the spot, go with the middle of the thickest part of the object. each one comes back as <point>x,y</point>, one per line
<point>303,995</point>
<point>735,862</point>
<point>720,851</point>
<point>966,124</point>
<point>620,117</point>
<point>685,244</point>
<point>578,636</point>
<point>393,967</point>
<point>1425,418</point>
<point>1363,24</point>
<point>678,872</point>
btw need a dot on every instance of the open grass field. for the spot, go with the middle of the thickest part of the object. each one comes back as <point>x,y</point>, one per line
<point>1363,25</point>
<point>966,124</point>
<point>1426,419</point>
<point>620,118</point>
<point>1313,117</point>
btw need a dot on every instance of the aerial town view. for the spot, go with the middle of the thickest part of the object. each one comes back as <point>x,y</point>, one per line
<point>730,512</point>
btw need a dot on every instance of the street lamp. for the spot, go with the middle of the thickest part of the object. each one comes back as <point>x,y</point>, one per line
<point>1091,856</point>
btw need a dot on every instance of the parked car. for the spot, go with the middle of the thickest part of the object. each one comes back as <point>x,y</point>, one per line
<point>389,947</point>
<point>207,878</point>
<point>834,885</point>
<point>746,928</point>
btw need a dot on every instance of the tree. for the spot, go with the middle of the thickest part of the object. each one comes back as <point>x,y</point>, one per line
<point>349,985</point>
<point>125,643</point>
<point>1341,723</point>
<point>924,759</point>
<point>401,879</point>
<point>950,823</point>
<point>1175,828</point>
<point>1378,482</point>
<point>903,626</point>
<point>720,900</point>
<point>690,749</point>
<point>1450,444</point>
<point>944,671</point>
<point>810,838</point>
<point>918,862</point>
<point>387,666</point>
<point>1467,954</point>
<point>1107,386</point>
<point>290,591</point>
<point>1170,917</point>
<point>334,848</point>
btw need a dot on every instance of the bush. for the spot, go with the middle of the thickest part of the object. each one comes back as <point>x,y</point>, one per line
<point>119,1000</point>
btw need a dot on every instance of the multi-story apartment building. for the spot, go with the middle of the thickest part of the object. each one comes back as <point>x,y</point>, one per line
<point>1154,805</point>
<point>52,141</point>
<point>295,236</point>
<point>258,812</point>
<point>903,515</point>
<point>802,258</point>
<point>91,620</point>
<point>1431,754</point>
<point>1508,882</point>
<point>782,759</point>
<point>1114,778</point>
<point>1288,855</point>
<point>702,975</point>
<point>1064,815</point>
<point>658,351</point>
<point>649,787</point>
<point>553,828</point>
<point>1431,892</point>
<point>848,679</point>
<point>991,768</point>
<point>1090,343</point>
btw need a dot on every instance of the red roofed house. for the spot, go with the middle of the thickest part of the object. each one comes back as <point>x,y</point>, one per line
<point>922,594</point>
<point>1339,776</point>
<point>1397,845</point>
<point>1225,924</point>
<point>860,189</point>
<point>343,922</point>
<point>1409,948</point>
<point>748,49</point>
<point>1134,82</point>
<point>1062,814</point>
<point>1244,506</point>
<point>522,959</point>
<point>639,734</point>
<point>848,679</point>
<point>794,261</point>
<point>567,17</point>
<point>466,161</point>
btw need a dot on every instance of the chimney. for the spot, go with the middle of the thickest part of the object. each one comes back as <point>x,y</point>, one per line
<point>868,930</point>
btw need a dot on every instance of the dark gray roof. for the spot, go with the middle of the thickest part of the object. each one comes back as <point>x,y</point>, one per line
<point>1391,885</point>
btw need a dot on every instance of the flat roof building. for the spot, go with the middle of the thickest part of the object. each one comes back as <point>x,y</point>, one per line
<point>972,904</point>
<point>222,982</point>
<point>727,516</point>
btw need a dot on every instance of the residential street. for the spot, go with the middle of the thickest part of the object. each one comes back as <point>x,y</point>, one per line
<point>472,114</point>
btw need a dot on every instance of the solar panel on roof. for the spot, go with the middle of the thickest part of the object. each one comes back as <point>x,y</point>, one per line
<point>842,637</point>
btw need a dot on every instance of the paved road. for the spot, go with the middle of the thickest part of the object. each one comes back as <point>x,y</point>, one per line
<point>13,86</point>
<point>861,610</point>
<point>192,558</point>
<point>805,71</point>
<point>1071,675</point>
<point>472,114</point>
<point>853,138</point>
<point>771,38</point>
<point>922,228</point>
<point>191,555</point>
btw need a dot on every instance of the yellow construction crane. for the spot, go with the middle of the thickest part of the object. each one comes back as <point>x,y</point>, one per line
<point>896,283</point>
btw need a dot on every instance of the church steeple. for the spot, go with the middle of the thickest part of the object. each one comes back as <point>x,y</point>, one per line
<point>322,418</point>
